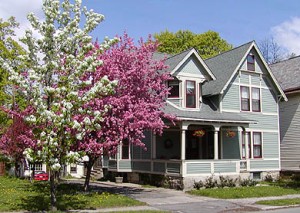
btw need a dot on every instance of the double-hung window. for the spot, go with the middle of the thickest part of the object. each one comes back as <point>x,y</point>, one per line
<point>190,94</point>
<point>174,91</point>
<point>257,145</point>
<point>255,99</point>
<point>245,99</point>
<point>254,104</point>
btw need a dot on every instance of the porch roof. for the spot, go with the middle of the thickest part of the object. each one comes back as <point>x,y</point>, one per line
<point>206,114</point>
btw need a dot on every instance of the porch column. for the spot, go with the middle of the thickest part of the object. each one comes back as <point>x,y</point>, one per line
<point>216,143</point>
<point>183,141</point>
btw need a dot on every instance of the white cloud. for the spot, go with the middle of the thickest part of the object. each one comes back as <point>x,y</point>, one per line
<point>287,35</point>
<point>19,9</point>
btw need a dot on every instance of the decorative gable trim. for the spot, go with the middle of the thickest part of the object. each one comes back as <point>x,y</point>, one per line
<point>253,45</point>
<point>193,51</point>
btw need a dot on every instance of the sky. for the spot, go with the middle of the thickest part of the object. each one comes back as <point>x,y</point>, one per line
<point>237,21</point>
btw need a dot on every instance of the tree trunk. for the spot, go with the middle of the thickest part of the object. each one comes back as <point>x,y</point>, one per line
<point>89,166</point>
<point>53,191</point>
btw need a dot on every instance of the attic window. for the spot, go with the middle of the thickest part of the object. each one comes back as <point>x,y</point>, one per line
<point>250,62</point>
<point>174,91</point>
<point>190,94</point>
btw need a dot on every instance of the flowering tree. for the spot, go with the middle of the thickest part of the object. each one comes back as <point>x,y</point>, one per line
<point>17,137</point>
<point>136,105</point>
<point>53,82</point>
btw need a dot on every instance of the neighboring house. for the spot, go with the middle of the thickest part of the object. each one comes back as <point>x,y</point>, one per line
<point>227,121</point>
<point>288,75</point>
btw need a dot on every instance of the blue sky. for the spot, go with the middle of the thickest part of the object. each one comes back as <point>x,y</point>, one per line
<point>237,21</point>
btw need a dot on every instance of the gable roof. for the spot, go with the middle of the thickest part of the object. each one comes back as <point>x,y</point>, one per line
<point>287,73</point>
<point>174,62</point>
<point>226,65</point>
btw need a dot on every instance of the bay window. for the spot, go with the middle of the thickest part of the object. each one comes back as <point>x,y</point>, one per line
<point>190,94</point>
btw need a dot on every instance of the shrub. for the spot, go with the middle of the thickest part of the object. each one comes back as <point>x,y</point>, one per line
<point>269,178</point>
<point>199,184</point>
<point>227,182</point>
<point>210,182</point>
<point>248,182</point>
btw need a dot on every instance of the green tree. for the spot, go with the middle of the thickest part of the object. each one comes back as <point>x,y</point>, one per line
<point>207,44</point>
<point>9,50</point>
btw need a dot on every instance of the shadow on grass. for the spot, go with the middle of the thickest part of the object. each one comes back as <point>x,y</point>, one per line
<point>39,198</point>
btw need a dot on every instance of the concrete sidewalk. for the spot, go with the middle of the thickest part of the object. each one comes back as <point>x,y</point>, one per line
<point>178,201</point>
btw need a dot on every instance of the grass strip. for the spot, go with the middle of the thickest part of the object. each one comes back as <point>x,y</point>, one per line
<point>280,202</point>
<point>245,192</point>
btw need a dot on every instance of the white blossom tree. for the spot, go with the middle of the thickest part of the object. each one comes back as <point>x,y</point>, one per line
<point>59,58</point>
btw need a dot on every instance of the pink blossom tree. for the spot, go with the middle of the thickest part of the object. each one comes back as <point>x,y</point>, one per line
<point>136,105</point>
<point>17,137</point>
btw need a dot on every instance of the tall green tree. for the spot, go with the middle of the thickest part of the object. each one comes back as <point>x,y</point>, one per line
<point>207,44</point>
<point>9,50</point>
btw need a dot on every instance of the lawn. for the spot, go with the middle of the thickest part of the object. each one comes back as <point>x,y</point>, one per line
<point>245,192</point>
<point>16,195</point>
<point>280,202</point>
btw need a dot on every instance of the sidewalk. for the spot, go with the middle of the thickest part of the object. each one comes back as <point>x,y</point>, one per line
<point>179,201</point>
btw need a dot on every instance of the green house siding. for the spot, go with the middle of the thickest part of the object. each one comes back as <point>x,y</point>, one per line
<point>269,102</point>
<point>198,168</point>
<point>191,66</point>
<point>244,79</point>
<point>223,167</point>
<point>124,165</point>
<point>231,98</point>
<point>264,121</point>
<point>264,164</point>
<point>173,168</point>
<point>177,102</point>
<point>270,145</point>
<point>255,80</point>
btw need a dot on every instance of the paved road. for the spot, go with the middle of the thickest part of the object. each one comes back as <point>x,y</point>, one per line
<point>180,202</point>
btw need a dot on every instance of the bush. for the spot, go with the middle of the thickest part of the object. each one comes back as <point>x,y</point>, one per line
<point>198,185</point>
<point>210,182</point>
<point>248,182</point>
<point>269,178</point>
<point>173,183</point>
<point>227,182</point>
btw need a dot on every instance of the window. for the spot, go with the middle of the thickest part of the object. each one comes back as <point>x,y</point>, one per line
<point>125,149</point>
<point>190,94</point>
<point>250,62</point>
<point>254,106</point>
<point>244,145</point>
<point>73,167</point>
<point>257,152</point>
<point>36,166</point>
<point>174,91</point>
<point>245,99</point>
<point>255,99</point>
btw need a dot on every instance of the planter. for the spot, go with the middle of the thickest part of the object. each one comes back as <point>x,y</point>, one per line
<point>119,179</point>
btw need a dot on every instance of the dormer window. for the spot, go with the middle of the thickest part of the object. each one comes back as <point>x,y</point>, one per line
<point>190,94</point>
<point>174,91</point>
<point>251,62</point>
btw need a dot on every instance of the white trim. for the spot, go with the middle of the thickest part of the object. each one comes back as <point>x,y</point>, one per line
<point>193,51</point>
<point>210,120</point>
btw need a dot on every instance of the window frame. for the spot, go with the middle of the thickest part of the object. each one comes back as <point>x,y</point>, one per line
<point>193,94</point>
<point>248,99</point>
<point>251,64</point>
<point>172,86</point>
<point>244,145</point>
<point>258,100</point>
<point>255,145</point>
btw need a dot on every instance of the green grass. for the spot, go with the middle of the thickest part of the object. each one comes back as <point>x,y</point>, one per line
<point>245,192</point>
<point>16,194</point>
<point>280,202</point>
